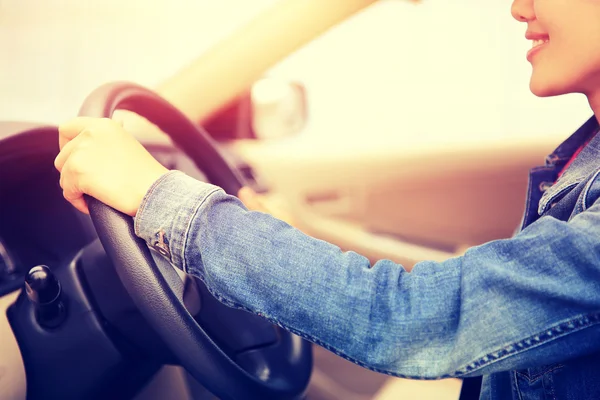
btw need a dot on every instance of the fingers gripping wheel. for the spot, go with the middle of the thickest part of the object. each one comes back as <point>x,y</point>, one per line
<point>158,292</point>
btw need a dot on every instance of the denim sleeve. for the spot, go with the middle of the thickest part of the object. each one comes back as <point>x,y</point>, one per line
<point>509,304</point>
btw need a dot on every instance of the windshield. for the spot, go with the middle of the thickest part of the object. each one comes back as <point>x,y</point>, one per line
<point>55,52</point>
<point>396,71</point>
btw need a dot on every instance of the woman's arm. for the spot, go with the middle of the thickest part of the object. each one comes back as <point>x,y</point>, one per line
<point>508,304</point>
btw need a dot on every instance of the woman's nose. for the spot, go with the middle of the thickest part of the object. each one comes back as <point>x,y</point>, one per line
<point>522,10</point>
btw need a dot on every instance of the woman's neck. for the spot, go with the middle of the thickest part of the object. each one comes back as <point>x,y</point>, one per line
<point>594,100</point>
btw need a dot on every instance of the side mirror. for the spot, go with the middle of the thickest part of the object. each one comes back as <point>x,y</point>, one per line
<point>272,108</point>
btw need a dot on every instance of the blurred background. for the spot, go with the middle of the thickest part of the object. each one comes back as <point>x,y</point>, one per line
<point>444,70</point>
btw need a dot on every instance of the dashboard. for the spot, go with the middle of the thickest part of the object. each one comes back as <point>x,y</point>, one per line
<point>38,226</point>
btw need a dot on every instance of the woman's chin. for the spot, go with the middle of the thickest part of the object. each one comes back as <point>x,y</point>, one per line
<point>546,88</point>
<point>540,91</point>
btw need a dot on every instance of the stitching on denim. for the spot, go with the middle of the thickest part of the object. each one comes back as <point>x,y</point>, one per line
<point>525,344</point>
<point>188,226</point>
<point>528,202</point>
<point>586,190</point>
<point>147,196</point>
<point>549,389</point>
<point>310,338</point>
<point>549,335</point>
<point>545,202</point>
<point>578,324</point>
<point>551,383</point>
<point>530,188</point>
<point>579,206</point>
<point>515,384</point>
<point>562,329</point>
<point>535,377</point>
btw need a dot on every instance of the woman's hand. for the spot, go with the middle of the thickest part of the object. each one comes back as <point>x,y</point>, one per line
<point>256,202</point>
<point>99,158</point>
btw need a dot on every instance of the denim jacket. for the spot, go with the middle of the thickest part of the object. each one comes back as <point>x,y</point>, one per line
<point>524,312</point>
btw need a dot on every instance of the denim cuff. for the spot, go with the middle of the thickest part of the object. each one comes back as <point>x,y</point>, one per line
<point>165,215</point>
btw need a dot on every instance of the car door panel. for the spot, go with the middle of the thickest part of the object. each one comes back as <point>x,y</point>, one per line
<point>405,205</point>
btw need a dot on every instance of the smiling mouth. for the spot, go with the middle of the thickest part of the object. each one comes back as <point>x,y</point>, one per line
<point>539,42</point>
<point>535,47</point>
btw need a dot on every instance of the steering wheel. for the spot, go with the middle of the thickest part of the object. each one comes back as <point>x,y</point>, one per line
<point>278,371</point>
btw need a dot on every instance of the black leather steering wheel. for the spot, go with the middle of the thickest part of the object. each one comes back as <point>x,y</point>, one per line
<point>276,371</point>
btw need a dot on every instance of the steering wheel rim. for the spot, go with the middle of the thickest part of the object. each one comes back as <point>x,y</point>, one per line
<point>157,291</point>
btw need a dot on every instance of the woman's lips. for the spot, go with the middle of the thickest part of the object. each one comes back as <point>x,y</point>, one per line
<point>537,45</point>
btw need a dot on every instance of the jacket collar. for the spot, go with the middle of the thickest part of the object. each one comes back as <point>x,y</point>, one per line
<point>579,169</point>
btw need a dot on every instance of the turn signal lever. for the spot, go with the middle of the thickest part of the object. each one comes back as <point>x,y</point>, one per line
<point>44,292</point>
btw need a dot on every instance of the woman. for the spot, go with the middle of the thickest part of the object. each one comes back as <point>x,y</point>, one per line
<point>523,312</point>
